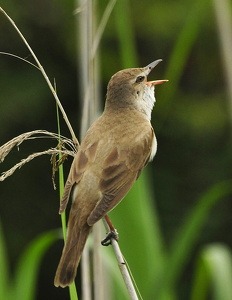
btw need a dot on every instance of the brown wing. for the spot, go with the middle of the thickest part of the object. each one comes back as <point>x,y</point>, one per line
<point>120,170</point>
<point>77,170</point>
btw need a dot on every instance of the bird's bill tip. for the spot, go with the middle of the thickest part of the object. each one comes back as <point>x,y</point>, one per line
<point>153,64</point>
<point>155,82</point>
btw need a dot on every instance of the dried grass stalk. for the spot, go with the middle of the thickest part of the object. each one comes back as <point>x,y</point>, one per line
<point>7,147</point>
<point>32,156</point>
<point>40,67</point>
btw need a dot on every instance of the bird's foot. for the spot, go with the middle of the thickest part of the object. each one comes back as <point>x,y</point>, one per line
<point>111,235</point>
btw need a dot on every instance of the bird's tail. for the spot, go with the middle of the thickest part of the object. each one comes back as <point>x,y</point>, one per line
<point>71,255</point>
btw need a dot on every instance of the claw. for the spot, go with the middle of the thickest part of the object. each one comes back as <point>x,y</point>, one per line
<point>111,235</point>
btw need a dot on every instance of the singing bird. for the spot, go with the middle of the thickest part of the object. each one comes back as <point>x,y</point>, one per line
<point>109,160</point>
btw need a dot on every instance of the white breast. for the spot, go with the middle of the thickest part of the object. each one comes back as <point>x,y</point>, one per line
<point>148,100</point>
<point>153,149</point>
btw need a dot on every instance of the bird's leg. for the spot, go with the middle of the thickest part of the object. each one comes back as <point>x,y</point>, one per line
<point>111,235</point>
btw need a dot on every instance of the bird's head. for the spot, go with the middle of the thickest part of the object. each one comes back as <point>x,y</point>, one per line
<point>129,88</point>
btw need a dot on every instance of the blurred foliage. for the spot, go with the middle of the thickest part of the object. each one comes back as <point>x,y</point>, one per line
<point>214,269</point>
<point>191,119</point>
<point>23,285</point>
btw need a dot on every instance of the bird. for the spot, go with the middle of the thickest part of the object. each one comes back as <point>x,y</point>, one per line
<point>116,147</point>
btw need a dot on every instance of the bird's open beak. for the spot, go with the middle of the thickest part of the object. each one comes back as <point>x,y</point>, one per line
<point>153,64</point>
<point>155,82</point>
<point>151,67</point>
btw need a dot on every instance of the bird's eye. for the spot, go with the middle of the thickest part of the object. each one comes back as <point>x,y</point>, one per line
<point>140,79</point>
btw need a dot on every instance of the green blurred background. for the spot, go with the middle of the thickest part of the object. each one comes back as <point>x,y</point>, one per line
<point>192,116</point>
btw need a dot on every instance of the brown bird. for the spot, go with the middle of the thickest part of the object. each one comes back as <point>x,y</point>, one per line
<point>109,160</point>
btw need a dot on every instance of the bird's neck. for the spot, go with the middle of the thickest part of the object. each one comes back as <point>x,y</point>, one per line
<point>143,105</point>
<point>126,114</point>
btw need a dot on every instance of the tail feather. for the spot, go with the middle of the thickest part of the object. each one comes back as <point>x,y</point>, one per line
<point>67,268</point>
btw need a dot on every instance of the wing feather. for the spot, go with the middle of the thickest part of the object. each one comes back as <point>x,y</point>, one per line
<point>79,165</point>
<point>120,170</point>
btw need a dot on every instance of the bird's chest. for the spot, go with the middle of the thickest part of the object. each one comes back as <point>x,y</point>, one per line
<point>153,148</point>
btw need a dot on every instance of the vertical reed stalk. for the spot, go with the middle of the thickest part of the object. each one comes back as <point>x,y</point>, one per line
<point>88,75</point>
<point>223,11</point>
